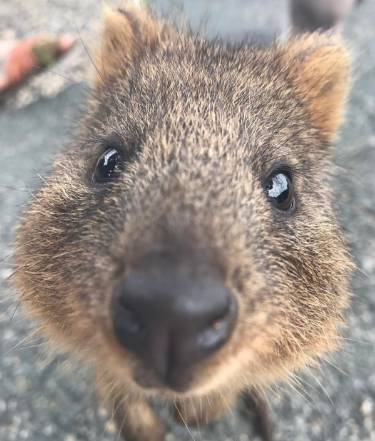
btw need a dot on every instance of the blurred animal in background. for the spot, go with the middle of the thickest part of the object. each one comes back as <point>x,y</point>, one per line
<point>312,15</point>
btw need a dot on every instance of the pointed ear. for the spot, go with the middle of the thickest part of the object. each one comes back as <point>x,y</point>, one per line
<point>127,32</point>
<point>319,68</point>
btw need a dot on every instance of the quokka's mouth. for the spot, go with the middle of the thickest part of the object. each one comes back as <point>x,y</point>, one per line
<point>177,382</point>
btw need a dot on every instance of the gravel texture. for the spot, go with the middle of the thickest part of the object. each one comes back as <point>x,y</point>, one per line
<point>42,397</point>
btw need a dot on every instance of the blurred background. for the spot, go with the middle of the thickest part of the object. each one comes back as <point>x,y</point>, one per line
<point>42,397</point>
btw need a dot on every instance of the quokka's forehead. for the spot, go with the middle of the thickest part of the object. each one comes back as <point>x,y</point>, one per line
<point>196,63</point>
<point>199,79</point>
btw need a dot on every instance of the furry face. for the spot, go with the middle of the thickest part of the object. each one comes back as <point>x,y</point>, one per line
<point>218,156</point>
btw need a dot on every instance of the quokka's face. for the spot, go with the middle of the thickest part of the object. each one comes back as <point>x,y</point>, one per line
<point>185,241</point>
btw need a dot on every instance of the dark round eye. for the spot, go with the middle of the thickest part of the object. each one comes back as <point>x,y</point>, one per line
<point>107,166</point>
<point>279,189</point>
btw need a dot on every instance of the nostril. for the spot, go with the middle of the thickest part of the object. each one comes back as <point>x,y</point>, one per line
<point>127,324</point>
<point>130,320</point>
<point>223,315</point>
<point>219,328</point>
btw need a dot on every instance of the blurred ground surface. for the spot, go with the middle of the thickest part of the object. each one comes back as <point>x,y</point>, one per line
<point>41,401</point>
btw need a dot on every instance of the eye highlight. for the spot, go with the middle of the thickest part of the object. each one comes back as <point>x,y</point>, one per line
<point>108,166</point>
<point>280,191</point>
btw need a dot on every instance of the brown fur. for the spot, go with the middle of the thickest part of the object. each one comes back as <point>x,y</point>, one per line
<point>205,123</point>
<point>126,33</point>
<point>321,77</point>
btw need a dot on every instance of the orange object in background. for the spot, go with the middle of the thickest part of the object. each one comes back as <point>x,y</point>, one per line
<point>27,56</point>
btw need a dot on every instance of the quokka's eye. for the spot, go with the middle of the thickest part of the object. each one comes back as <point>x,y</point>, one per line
<point>280,192</point>
<point>108,166</point>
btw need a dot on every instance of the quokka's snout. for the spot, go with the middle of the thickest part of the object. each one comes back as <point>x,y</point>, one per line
<point>173,310</point>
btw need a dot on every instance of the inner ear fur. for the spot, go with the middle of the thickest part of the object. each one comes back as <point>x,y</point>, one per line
<point>127,32</point>
<point>319,68</point>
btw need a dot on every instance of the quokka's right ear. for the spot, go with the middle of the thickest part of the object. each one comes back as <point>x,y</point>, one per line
<point>319,68</point>
<point>127,33</point>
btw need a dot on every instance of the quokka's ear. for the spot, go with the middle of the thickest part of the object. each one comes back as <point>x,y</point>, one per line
<point>319,68</point>
<point>127,32</point>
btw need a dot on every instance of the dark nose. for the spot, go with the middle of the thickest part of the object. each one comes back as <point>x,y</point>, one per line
<point>172,313</point>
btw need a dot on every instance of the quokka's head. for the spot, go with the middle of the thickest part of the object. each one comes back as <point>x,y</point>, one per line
<point>186,241</point>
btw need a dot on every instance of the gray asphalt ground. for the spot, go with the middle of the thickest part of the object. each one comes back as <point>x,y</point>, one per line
<point>43,397</point>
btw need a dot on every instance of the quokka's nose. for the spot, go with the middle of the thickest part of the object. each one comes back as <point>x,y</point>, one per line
<point>171,315</point>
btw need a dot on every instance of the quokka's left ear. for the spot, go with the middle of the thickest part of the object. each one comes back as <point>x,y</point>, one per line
<point>127,33</point>
<point>319,69</point>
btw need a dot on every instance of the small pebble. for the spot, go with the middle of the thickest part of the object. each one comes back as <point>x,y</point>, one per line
<point>367,407</point>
